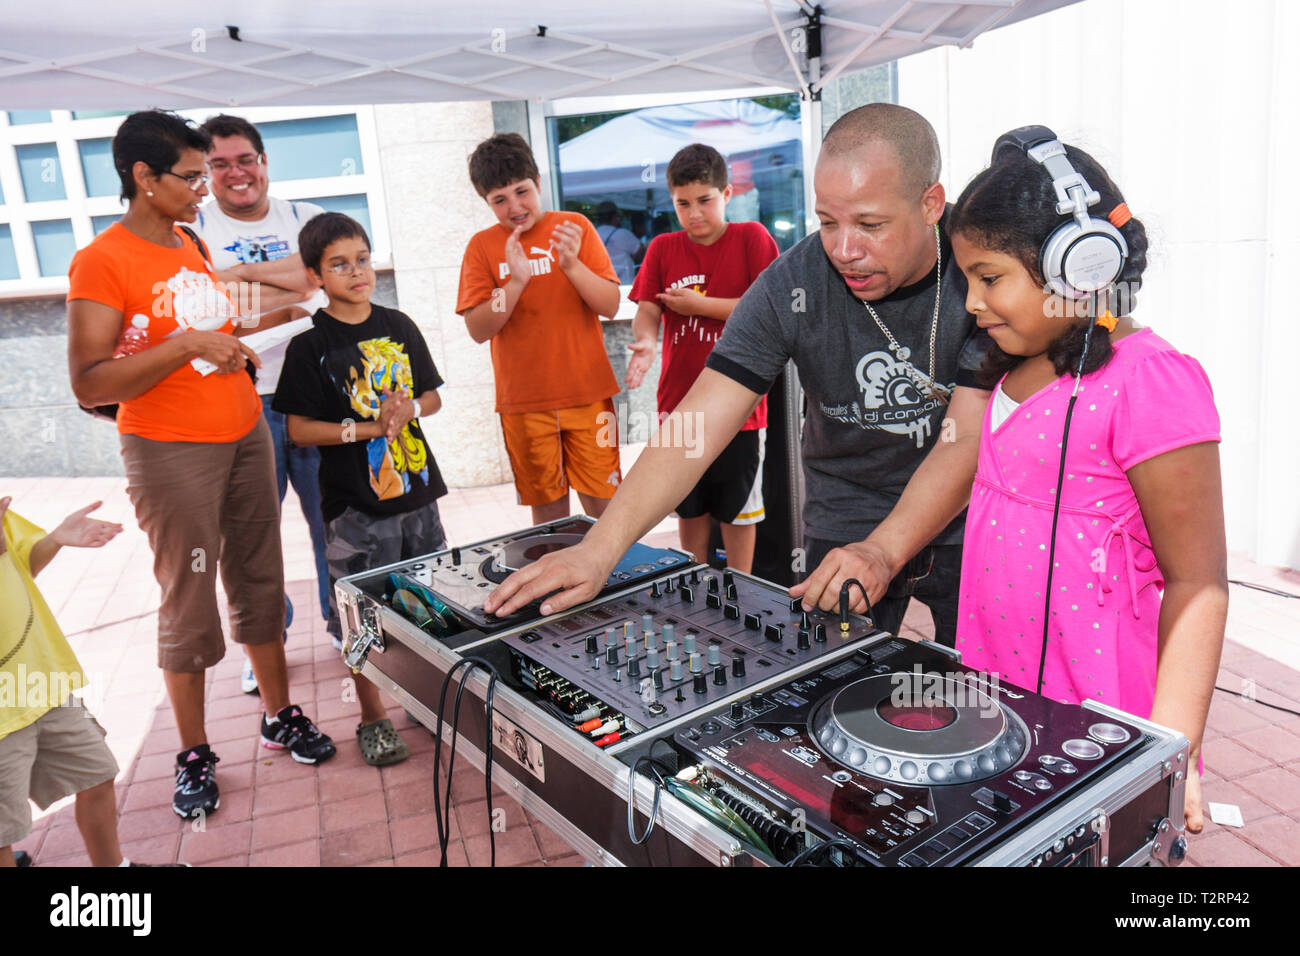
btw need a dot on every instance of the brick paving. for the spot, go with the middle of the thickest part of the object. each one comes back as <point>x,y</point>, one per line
<point>275,812</point>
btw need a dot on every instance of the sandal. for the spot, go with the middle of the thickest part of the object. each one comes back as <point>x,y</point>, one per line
<point>380,745</point>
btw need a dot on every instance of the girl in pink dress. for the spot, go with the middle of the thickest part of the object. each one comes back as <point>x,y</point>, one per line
<point>1139,584</point>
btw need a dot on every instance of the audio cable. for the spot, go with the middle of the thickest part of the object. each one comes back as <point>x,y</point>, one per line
<point>442,806</point>
<point>809,856</point>
<point>657,772</point>
<point>1060,480</point>
<point>844,604</point>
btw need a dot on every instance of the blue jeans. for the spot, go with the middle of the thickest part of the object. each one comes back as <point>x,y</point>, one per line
<point>301,466</point>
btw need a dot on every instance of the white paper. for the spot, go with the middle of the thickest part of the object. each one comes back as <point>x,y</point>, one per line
<point>257,341</point>
<point>1226,815</point>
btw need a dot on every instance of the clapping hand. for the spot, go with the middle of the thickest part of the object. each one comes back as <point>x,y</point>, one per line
<point>567,240</point>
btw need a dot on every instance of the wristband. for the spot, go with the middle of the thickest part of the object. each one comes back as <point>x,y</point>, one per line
<point>416,403</point>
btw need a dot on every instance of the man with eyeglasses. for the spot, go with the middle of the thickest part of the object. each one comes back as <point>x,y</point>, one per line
<point>253,238</point>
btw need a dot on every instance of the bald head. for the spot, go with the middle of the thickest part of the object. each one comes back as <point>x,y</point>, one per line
<point>906,134</point>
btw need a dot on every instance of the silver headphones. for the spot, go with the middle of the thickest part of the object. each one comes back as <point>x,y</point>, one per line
<point>1085,255</point>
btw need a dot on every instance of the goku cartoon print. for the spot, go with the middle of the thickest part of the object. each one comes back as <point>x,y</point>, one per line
<point>385,369</point>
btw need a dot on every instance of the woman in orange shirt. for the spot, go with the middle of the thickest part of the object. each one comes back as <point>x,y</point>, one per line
<point>150,328</point>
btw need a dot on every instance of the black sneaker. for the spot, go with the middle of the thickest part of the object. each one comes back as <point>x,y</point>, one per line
<point>196,782</point>
<point>294,732</point>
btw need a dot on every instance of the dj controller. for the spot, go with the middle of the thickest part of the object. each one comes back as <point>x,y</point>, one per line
<point>688,715</point>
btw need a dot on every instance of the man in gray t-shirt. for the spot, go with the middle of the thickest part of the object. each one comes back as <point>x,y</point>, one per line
<point>872,312</point>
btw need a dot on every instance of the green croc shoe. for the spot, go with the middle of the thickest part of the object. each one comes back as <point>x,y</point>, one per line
<point>380,745</point>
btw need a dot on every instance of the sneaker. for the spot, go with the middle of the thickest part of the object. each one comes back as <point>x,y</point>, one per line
<point>293,731</point>
<point>337,642</point>
<point>196,782</point>
<point>248,680</point>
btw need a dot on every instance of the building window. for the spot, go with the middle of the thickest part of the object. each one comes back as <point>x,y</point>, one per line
<point>24,117</point>
<point>55,246</point>
<point>97,167</point>
<point>621,158</point>
<point>315,148</point>
<point>100,223</point>
<point>354,206</point>
<point>8,261</point>
<point>38,165</point>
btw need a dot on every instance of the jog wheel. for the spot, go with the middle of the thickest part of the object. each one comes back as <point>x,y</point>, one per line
<point>919,729</point>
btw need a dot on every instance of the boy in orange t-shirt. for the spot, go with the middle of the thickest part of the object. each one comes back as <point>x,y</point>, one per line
<point>535,285</point>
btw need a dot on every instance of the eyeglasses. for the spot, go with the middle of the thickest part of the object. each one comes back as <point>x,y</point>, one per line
<point>347,268</point>
<point>247,163</point>
<point>194,180</point>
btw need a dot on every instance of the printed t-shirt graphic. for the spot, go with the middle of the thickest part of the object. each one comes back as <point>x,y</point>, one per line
<point>551,353</point>
<point>386,368</point>
<point>161,293</point>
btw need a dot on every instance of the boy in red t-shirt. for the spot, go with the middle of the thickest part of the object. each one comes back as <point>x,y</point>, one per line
<point>693,279</point>
<point>535,285</point>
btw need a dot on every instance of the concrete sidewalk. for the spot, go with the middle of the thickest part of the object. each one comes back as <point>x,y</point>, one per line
<point>277,812</point>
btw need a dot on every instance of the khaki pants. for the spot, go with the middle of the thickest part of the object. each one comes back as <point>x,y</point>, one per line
<point>209,506</point>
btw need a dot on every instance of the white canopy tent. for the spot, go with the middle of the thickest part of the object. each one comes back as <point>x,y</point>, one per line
<point>133,53</point>
<point>612,158</point>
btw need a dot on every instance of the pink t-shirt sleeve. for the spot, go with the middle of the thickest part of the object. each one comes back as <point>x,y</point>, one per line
<point>1167,404</point>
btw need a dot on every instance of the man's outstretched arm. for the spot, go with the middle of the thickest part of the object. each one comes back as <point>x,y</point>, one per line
<point>708,418</point>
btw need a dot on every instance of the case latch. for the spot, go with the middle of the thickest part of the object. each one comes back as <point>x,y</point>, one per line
<point>360,642</point>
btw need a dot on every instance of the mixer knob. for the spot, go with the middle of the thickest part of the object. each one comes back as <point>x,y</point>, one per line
<point>593,643</point>
<point>774,633</point>
<point>738,665</point>
<point>802,641</point>
<point>675,669</point>
<point>611,655</point>
<point>669,632</point>
<point>655,590</point>
<point>697,665</point>
<point>731,612</point>
<point>695,575</point>
<point>647,623</point>
<point>731,592</point>
<point>796,603</point>
<point>701,684</point>
<point>712,600</point>
<point>803,620</point>
<point>651,641</point>
<point>690,642</point>
<point>670,586</point>
<point>753,622</point>
<point>652,658</point>
<point>719,675</point>
<point>611,639</point>
<point>633,667</point>
<point>713,585</point>
<point>728,577</point>
<point>673,652</point>
<point>715,655</point>
<point>680,696</point>
<point>688,594</point>
<point>819,633</point>
<point>627,631</point>
<point>629,647</point>
<point>737,711</point>
<point>658,680</point>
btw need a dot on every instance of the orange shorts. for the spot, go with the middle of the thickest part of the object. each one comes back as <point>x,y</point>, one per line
<point>551,452</point>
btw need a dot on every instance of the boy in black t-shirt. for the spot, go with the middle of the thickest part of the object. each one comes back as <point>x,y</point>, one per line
<point>356,385</point>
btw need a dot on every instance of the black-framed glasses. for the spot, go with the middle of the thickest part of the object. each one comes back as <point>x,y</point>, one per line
<point>347,268</point>
<point>248,162</point>
<point>194,180</point>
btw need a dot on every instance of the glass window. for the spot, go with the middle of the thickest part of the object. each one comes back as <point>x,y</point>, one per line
<point>620,159</point>
<point>41,175</point>
<point>55,245</point>
<point>97,166</point>
<point>8,261</point>
<point>100,223</point>
<point>312,148</point>
<point>355,206</point>
<point>97,114</point>
<point>23,117</point>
